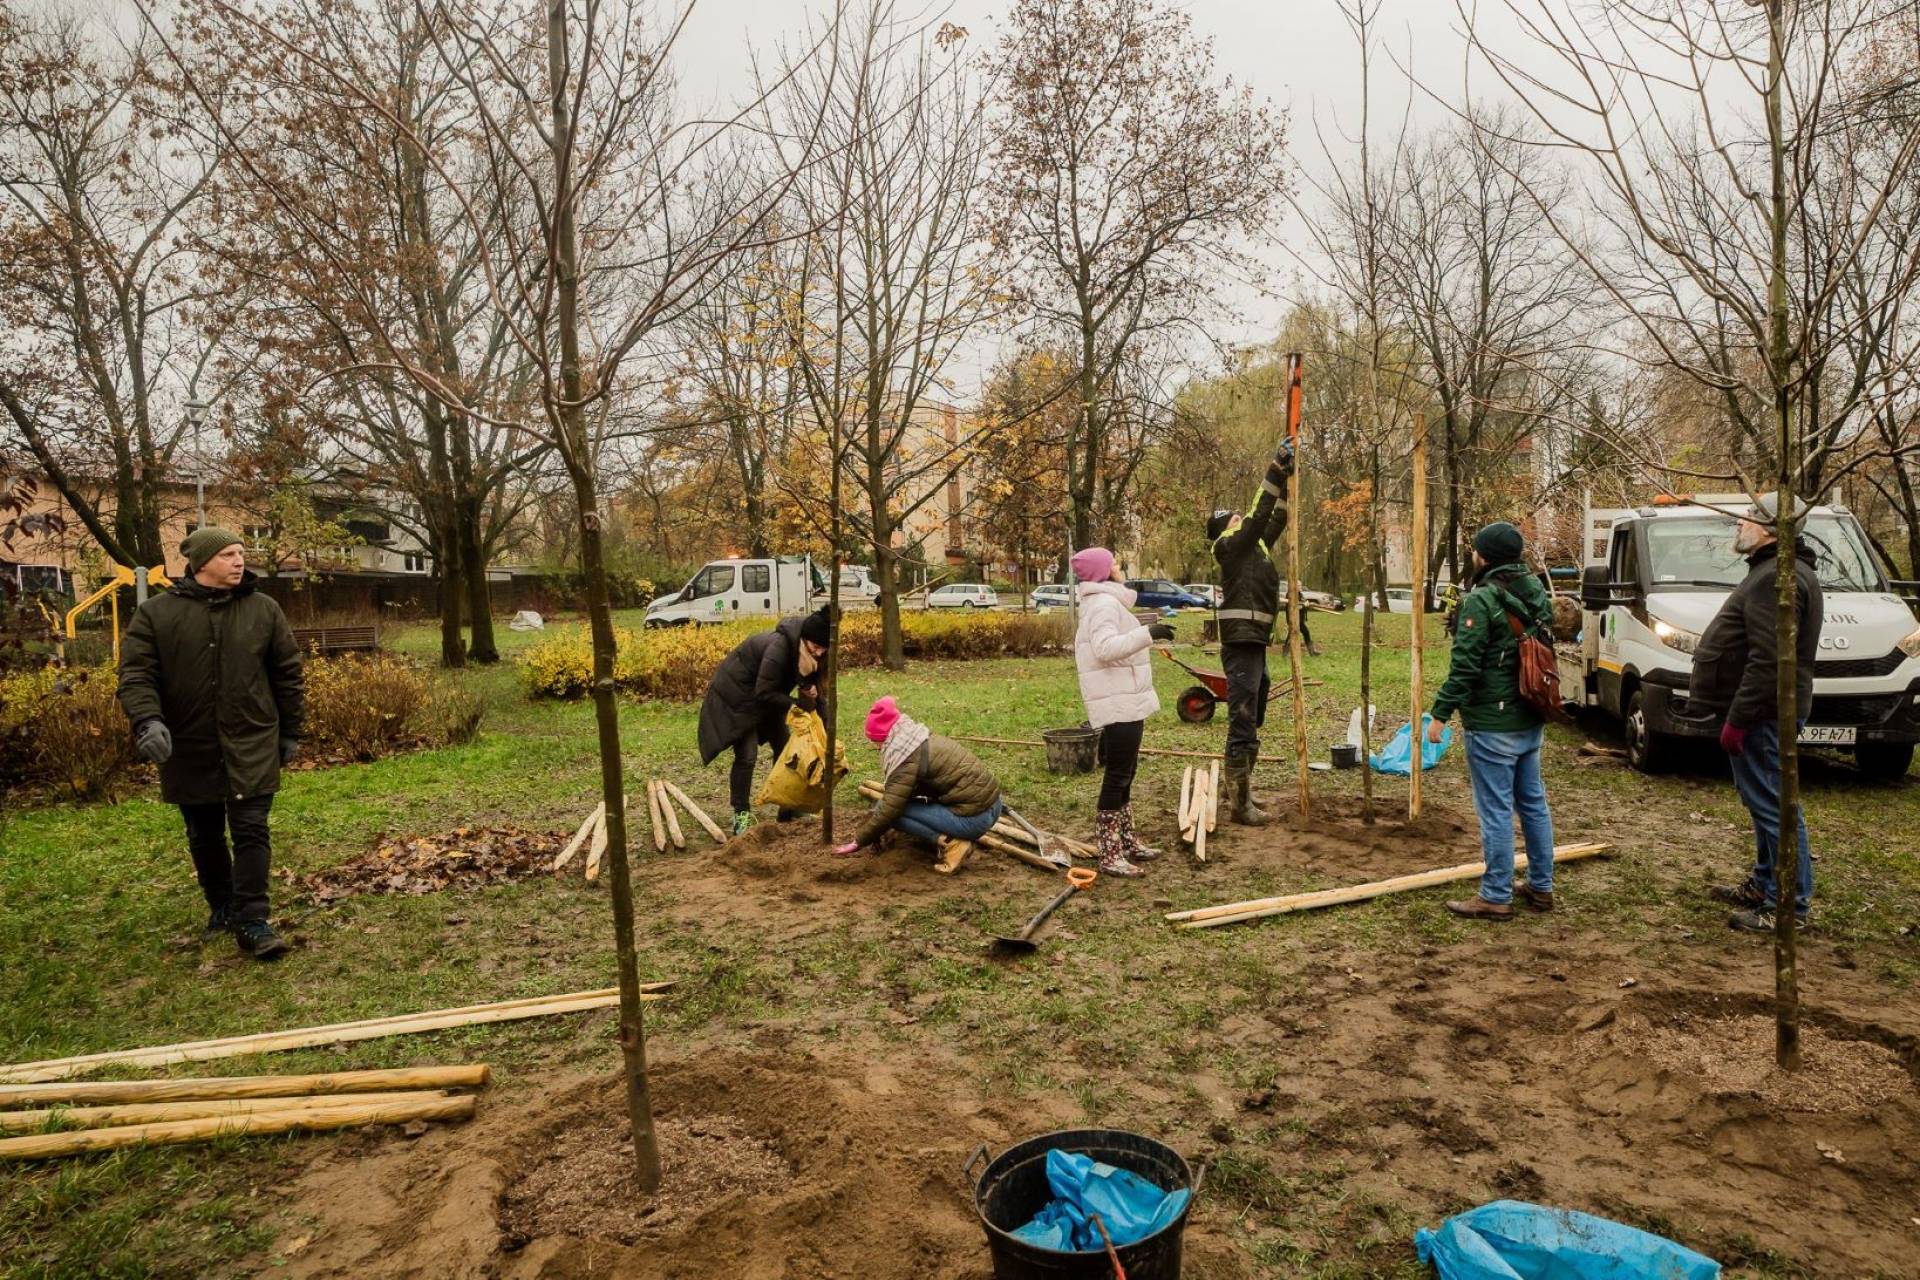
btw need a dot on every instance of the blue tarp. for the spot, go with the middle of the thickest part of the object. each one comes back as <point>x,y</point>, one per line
<point>1512,1240</point>
<point>1130,1207</point>
<point>1397,754</point>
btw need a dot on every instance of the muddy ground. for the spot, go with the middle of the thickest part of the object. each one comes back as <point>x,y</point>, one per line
<point>1343,1083</point>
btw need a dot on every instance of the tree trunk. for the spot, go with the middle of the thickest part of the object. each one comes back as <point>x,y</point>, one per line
<point>576,450</point>
<point>479,598</point>
<point>447,559</point>
<point>1371,585</point>
<point>1910,512</point>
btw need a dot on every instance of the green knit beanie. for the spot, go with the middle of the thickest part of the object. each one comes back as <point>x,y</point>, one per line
<point>1499,543</point>
<point>204,543</point>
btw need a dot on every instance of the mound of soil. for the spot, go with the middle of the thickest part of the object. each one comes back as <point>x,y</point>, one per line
<point>1734,1056</point>
<point>464,858</point>
<point>1336,842</point>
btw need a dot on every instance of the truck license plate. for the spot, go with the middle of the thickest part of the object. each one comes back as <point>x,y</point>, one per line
<point>1827,736</point>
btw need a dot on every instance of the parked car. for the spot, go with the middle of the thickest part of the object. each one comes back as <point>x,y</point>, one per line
<point>963,595</point>
<point>1398,600</point>
<point>857,580</point>
<point>1158,593</point>
<point>1053,596</point>
<point>1207,592</point>
<point>1318,599</point>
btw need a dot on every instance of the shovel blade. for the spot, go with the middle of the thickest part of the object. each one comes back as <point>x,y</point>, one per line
<point>1003,946</point>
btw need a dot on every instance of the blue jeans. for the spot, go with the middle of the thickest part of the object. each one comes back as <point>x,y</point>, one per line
<point>1505,770</point>
<point>927,821</point>
<point>1756,776</point>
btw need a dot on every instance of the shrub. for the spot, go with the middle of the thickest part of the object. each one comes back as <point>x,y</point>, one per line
<point>63,726</point>
<point>363,706</point>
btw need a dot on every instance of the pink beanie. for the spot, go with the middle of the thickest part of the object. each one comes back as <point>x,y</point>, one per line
<point>880,720</point>
<point>1092,564</point>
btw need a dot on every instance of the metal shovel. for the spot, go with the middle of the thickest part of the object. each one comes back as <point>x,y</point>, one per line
<point>1020,944</point>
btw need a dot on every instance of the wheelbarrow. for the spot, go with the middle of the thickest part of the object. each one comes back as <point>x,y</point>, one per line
<point>1196,704</point>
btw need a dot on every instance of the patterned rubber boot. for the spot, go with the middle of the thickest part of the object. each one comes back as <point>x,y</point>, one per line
<point>742,821</point>
<point>1240,777</point>
<point>1137,849</point>
<point>1112,846</point>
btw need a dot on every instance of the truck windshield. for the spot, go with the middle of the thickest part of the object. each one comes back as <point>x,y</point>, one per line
<point>1698,553</point>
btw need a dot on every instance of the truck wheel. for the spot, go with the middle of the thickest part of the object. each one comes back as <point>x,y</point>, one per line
<point>1647,751</point>
<point>1883,761</point>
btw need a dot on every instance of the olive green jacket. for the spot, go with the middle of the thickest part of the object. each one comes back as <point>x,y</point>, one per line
<point>1483,678</point>
<point>943,772</point>
<point>221,670</point>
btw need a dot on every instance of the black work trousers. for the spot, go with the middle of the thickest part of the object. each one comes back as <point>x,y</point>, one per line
<point>772,730</point>
<point>1247,687</point>
<point>235,879</point>
<point>1120,749</point>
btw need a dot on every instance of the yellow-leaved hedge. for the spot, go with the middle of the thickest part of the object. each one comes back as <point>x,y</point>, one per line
<point>677,662</point>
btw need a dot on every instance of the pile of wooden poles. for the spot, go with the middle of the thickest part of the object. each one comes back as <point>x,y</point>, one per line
<point>661,816</point>
<point>1015,841</point>
<point>1199,805</point>
<point>128,1113</point>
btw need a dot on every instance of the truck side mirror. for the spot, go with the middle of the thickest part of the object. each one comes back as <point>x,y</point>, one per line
<point>1596,588</point>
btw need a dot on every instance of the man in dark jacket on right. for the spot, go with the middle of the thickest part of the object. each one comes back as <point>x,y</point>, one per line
<point>1735,672</point>
<point>1250,587</point>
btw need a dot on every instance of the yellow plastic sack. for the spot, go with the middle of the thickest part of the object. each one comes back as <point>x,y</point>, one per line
<point>799,780</point>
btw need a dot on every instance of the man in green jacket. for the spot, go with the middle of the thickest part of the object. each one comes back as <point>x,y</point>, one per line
<point>1504,731</point>
<point>210,681</point>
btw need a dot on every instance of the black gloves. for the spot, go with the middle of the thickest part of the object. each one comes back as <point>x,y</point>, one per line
<point>289,748</point>
<point>1282,465</point>
<point>807,698</point>
<point>153,742</point>
<point>1160,631</point>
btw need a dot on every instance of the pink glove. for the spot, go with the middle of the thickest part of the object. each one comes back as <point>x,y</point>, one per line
<point>1733,739</point>
<point>846,850</point>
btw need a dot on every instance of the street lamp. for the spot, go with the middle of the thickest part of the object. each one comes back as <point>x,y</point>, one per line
<point>196,415</point>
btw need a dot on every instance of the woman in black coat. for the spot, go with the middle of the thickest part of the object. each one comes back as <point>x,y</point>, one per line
<point>749,697</point>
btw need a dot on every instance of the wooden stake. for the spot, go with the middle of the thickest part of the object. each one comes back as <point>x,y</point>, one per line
<point>599,845</point>
<point>212,1088</point>
<point>308,1037</point>
<point>1418,535</point>
<point>1213,794</point>
<point>345,1116</point>
<point>580,836</point>
<point>195,1109</point>
<point>1295,376</point>
<point>1145,751</point>
<point>1017,852</point>
<point>1186,800</point>
<point>1235,912</point>
<point>656,817</point>
<point>673,819</point>
<point>699,814</point>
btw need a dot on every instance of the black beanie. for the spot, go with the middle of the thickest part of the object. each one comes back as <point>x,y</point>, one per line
<point>1217,524</point>
<point>817,626</point>
<point>1499,543</point>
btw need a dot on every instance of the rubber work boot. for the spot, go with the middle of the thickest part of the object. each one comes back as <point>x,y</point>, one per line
<point>1478,908</point>
<point>258,939</point>
<point>742,821</point>
<point>1130,840</point>
<point>1240,781</point>
<point>952,854</point>
<point>1535,899</point>
<point>1112,846</point>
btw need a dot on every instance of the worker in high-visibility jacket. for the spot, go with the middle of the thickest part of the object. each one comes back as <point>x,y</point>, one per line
<point>1243,545</point>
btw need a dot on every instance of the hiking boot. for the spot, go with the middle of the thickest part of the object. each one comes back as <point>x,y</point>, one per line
<point>1759,920</point>
<point>952,853</point>
<point>220,919</point>
<point>742,821</point>
<point>1130,841</point>
<point>1113,849</point>
<point>1240,782</point>
<point>1535,899</point>
<point>1745,894</point>
<point>1478,908</point>
<point>1313,651</point>
<point>258,939</point>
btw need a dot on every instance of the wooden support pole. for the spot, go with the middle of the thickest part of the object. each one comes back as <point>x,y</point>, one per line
<point>656,818</point>
<point>699,814</point>
<point>1418,537</point>
<point>194,1109</point>
<point>1235,912</point>
<point>209,1088</point>
<point>599,848</point>
<point>1295,374</point>
<point>1213,795</point>
<point>580,836</point>
<point>665,802</point>
<point>1019,853</point>
<point>309,1037</point>
<point>1145,751</point>
<point>1185,818</point>
<point>345,1116</point>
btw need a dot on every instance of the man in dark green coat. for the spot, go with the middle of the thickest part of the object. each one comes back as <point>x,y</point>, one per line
<point>210,681</point>
<point>1504,731</point>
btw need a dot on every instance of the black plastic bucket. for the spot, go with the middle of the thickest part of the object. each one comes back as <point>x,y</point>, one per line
<point>1072,750</point>
<point>1345,755</point>
<point>1013,1188</point>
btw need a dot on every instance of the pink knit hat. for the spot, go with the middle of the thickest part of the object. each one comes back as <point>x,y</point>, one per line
<point>880,720</point>
<point>1092,564</point>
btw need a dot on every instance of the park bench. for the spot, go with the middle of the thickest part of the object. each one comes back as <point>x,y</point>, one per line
<point>324,642</point>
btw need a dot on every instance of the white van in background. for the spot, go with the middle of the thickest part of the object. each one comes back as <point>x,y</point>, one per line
<point>724,590</point>
<point>1654,578</point>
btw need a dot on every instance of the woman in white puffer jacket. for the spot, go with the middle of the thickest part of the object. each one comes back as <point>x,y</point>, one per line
<point>1116,683</point>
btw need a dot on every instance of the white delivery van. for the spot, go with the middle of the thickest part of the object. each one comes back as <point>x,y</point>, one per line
<point>724,590</point>
<point>1654,577</point>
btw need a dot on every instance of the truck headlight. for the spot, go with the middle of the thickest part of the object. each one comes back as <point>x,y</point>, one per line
<point>1674,637</point>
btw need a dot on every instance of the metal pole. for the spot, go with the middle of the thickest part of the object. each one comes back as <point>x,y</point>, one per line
<point>1417,538</point>
<point>196,415</point>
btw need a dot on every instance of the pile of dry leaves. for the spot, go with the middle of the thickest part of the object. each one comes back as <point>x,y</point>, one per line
<point>464,858</point>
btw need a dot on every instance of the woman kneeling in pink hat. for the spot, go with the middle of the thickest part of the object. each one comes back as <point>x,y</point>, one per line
<point>936,790</point>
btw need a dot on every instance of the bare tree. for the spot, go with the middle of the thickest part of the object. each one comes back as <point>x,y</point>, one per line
<point>1127,179</point>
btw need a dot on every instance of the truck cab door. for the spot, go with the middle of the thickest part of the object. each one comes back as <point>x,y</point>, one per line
<point>1623,566</point>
